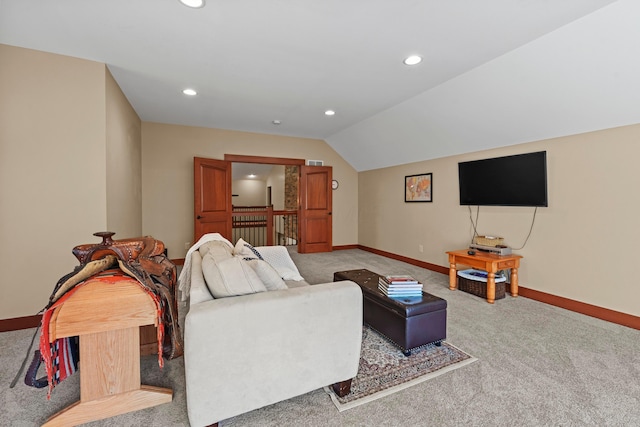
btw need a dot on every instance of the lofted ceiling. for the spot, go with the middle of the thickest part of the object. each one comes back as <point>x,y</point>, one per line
<point>494,72</point>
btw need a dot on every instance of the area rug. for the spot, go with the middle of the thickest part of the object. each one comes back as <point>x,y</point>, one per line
<point>385,370</point>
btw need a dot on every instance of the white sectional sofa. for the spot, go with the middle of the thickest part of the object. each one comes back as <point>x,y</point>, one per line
<point>247,351</point>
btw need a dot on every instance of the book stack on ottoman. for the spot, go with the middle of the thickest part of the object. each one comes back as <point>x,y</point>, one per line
<point>397,286</point>
<point>407,321</point>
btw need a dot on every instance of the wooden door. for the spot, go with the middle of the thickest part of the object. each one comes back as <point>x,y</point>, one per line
<point>212,198</point>
<point>316,225</point>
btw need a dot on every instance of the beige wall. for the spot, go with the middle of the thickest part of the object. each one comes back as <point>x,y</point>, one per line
<point>250,192</point>
<point>52,171</point>
<point>276,181</point>
<point>69,166</point>
<point>167,176</point>
<point>581,246</point>
<point>124,164</point>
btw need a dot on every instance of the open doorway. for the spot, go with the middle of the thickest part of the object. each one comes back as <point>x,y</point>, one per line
<point>213,206</point>
<point>265,201</point>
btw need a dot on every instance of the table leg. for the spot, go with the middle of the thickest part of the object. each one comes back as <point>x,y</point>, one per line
<point>514,282</point>
<point>110,379</point>
<point>453,283</point>
<point>491,287</point>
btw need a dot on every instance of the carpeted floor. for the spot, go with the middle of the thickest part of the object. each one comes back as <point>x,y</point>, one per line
<point>538,365</point>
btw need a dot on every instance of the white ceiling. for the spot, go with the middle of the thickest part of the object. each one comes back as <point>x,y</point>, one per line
<point>495,72</point>
<point>255,171</point>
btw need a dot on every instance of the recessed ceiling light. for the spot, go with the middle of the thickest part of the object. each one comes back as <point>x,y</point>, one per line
<point>276,122</point>
<point>413,60</point>
<point>190,92</point>
<point>193,3</point>
<point>330,113</point>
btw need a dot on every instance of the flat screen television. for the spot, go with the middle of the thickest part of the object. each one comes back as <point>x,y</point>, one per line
<point>519,180</point>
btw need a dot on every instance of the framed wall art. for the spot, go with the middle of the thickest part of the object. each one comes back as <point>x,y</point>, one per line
<point>418,188</point>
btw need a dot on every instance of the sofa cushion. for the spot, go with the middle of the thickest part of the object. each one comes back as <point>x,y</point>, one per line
<point>269,276</point>
<point>279,258</point>
<point>296,283</point>
<point>198,290</point>
<point>230,277</point>
<point>245,249</point>
<point>288,274</point>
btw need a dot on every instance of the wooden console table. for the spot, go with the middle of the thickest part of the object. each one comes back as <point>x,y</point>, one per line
<point>491,263</point>
<point>107,317</point>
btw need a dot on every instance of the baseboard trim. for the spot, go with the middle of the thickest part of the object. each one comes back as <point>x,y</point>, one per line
<point>345,247</point>
<point>423,264</point>
<point>18,323</point>
<point>602,313</point>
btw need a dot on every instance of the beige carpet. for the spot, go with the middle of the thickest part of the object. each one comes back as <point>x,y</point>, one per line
<point>385,370</point>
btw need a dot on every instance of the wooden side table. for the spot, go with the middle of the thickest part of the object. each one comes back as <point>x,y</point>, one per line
<point>491,263</point>
<point>107,317</point>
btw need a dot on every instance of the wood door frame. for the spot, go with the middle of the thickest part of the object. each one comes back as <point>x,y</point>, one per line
<point>239,158</point>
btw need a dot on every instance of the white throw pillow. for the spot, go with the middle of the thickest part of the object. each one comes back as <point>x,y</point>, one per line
<point>269,276</point>
<point>288,274</point>
<point>245,249</point>
<point>217,247</point>
<point>230,277</point>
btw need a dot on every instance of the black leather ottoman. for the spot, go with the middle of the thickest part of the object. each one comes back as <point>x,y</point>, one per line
<point>409,323</point>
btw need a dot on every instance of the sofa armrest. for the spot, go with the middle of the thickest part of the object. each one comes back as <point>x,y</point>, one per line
<point>243,353</point>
